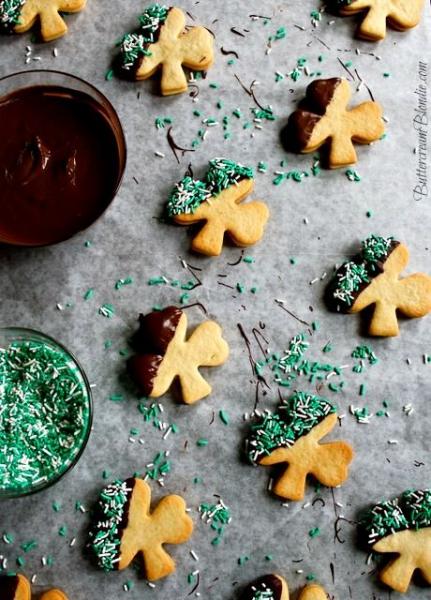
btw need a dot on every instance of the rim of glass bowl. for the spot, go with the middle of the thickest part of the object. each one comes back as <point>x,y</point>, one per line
<point>28,334</point>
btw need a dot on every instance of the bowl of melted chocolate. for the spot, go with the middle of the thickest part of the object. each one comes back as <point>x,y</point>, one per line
<point>62,157</point>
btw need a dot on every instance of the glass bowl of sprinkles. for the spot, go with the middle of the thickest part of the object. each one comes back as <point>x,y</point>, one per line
<point>45,411</point>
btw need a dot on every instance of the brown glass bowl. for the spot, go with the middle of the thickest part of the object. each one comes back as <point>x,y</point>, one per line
<point>43,201</point>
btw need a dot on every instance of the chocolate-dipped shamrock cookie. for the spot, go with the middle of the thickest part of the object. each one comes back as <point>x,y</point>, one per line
<point>292,436</point>
<point>401,527</point>
<point>164,354</point>
<point>124,527</point>
<point>274,587</point>
<point>373,278</point>
<point>17,587</point>
<point>217,200</point>
<point>162,41</point>
<point>399,14</point>
<point>324,118</point>
<point>18,16</point>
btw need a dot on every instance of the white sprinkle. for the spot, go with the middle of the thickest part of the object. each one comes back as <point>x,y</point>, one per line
<point>132,440</point>
<point>37,58</point>
<point>159,154</point>
<point>33,578</point>
<point>55,52</point>
<point>168,431</point>
<point>393,442</point>
<point>285,504</point>
<point>314,281</point>
<point>142,441</point>
<point>339,505</point>
<point>270,483</point>
<point>194,555</point>
<point>306,505</point>
<point>305,221</point>
<point>299,571</point>
<point>151,585</point>
<point>72,542</point>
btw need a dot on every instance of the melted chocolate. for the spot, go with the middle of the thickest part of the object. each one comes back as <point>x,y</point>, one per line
<point>151,341</point>
<point>302,122</point>
<point>125,520</point>
<point>60,164</point>
<point>8,586</point>
<point>270,582</point>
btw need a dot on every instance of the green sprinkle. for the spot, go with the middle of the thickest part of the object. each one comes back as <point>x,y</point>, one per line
<point>386,74</point>
<point>89,294</point>
<point>116,397</point>
<point>224,417</point>
<point>184,298</point>
<point>202,442</point>
<point>214,86</point>
<point>56,506</point>
<point>88,244</point>
<point>107,310</point>
<point>197,113</point>
<point>369,214</point>
<point>106,474</point>
<point>310,577</point>
<point>20,561</point>
<point>161,122</point>
<point>262,167</point>
<point>28,546</point>
<point>253,289</point>
<point>240,288</point>
<point>268,557</point>
<point>327,347</point>
<point>62,531</point>
<point>122,282</point>
<point>315,326</point>
<point>314,532</point>
<point>107,344</point>
<point>353,175</point>
<point>109,75</point>
<point>362,390</point>
<point>248,259</point>
<point>128,585</point>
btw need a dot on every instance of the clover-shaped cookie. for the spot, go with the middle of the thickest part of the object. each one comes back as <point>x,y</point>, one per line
<point>17,587</point>
<point>274,587</point>
<point>402,527</point>
<point>164,353</point>
<point>292,435</point>
<point>400,14</point>
<point>217,200</point>
<point>324,118</point>
<point>372,278</point>
<point>20,16</point>
<point>163,41</point>
<point>125,527</point>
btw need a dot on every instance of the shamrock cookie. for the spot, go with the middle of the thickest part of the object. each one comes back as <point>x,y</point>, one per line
<point>324,118</point>
<point>274,587</point>
<point>402,527</point>
<point>400,14</point>
<point>20,15</point>
<point>164,354</point>
<point>124,527</point>
<point>163,41</point>
<point>217,200</point>
<point>373,278</point>
<point>292,436</point>
<point>17,587</point>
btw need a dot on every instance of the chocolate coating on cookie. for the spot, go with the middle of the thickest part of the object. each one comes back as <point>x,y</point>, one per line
<point>8,586</point>
<point>355,275</point>
<point>266,583</point>
<point>156,331</point>
<point>302,122</point>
